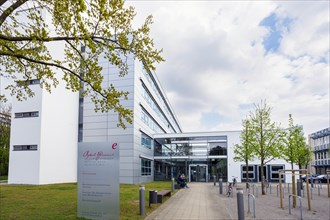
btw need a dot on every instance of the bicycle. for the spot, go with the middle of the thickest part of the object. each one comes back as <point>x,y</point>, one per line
<point>230,189</point>
<point>234,181</point>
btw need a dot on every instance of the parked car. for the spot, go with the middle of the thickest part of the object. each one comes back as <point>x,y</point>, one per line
<point>310,177</point>
<point>322,178</point>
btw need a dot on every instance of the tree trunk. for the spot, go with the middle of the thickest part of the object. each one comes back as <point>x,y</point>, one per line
<point>294,200</point>
<point>247,174</point>
<point>262,178</point>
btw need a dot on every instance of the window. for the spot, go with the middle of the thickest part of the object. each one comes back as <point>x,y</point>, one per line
<point>146,141</point>
<point>250,172</point>
<point>25,147</point>
<point>145,167</point>
<point>274,171</point>
<point>26,114</point>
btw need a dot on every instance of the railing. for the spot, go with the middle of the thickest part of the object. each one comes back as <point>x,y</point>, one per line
<point>254,204</point>
<point>301,214</point>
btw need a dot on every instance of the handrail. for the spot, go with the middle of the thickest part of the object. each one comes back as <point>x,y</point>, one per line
<point>301,215</point>
<point>254,204</point>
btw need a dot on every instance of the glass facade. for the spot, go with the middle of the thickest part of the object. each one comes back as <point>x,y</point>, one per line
<point>199,158</point>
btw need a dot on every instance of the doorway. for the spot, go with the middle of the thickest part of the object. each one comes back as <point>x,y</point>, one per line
<point>198,173</point>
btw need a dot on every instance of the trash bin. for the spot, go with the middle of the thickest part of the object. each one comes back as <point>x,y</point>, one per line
<point>152,197</point>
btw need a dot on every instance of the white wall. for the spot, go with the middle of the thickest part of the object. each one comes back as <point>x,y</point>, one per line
<point>24,165</point>
<point>59,136</point>
<point>234,168</point>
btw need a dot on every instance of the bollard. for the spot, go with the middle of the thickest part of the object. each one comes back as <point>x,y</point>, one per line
<point>298,188</point>
<point>172,184</point>
<point>301,214</point>
<point>288,188</point>
<point>311,193</point>
<point>214,181</point>
<point>240,204</point>
<point>257,191</point>
<point>220,185</point>
<point>254,205</point>
<point>318,188</point>
<point>270,188</point>
<point>142,200</point>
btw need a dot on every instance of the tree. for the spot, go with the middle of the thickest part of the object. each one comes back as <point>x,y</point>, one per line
<point>268,137</point>
<point>4,139</point>
<point>105,29</point>
<point>293,148</point>
<point>245,152</point>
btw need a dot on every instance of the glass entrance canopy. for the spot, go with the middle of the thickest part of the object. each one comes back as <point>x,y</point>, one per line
<point>189,146</point>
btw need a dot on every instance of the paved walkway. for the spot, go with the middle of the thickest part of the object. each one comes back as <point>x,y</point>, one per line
<point>200,201</point>
<point>203,201</point>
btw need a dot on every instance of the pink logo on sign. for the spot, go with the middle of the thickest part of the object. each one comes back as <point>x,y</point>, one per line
<point>114,146</point>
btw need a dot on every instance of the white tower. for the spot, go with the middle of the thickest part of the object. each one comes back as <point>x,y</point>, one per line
<point>44,133</point>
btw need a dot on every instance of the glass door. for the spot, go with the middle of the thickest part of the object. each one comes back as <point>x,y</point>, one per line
<point>198,173</point>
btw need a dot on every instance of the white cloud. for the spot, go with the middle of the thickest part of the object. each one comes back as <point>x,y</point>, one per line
<point>216,61</point>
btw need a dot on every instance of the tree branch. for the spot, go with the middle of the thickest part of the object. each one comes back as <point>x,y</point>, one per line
<point>2,2</point>
<point>54,65</point>
<point>50,39</point>
<point>10,10</point>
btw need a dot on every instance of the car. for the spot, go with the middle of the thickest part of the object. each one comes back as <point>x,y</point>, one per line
<point>310,176</point>
<point>322,178</point>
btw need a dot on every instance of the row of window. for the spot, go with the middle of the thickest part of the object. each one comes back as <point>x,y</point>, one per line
<point>150,122</point>
<point>146,141</point>
<point>26,114</point>
<point>161,100</point>
<point>274,175</point>
<point>156,108</point>
<point>320,141</point>
<point>29,82</point>
<point>25,147</point>
<point>145,167</point>
<point>321,155</point>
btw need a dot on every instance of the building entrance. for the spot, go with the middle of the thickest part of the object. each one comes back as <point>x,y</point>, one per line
<point>198,173</point>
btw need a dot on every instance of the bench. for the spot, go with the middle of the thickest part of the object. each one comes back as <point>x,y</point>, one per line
<point>162,193</point>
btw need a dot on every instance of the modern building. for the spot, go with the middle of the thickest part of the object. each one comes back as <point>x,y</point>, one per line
<point>44,133</point>
<point>320,143</point>
<point>47,128</point>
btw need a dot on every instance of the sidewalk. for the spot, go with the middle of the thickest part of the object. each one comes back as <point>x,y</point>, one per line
<point>200,201</point>
<point>203,201</point>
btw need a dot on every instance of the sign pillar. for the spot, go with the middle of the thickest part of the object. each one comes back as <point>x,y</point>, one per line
<point>98,180</point>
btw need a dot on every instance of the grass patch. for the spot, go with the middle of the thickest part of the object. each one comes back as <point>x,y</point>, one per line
<point>3,178</point>
<point>59,201</point>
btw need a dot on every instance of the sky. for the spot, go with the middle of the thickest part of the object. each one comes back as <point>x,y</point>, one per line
<point>223,57</point>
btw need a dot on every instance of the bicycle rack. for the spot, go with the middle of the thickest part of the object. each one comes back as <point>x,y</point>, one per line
<point>301,215</point>
<point>254,204</point>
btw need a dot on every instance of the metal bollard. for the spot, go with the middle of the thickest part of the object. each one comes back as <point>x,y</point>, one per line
<point>220,185</point>
<point>214,181</point>
<point>298,188</point>
<point>311,193</point>
<point>172,184</point>
<point>301,215</point>
<point>240,204</point>
<point>254,204</point>
<point>142,200</point>
<point>288,188</point>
